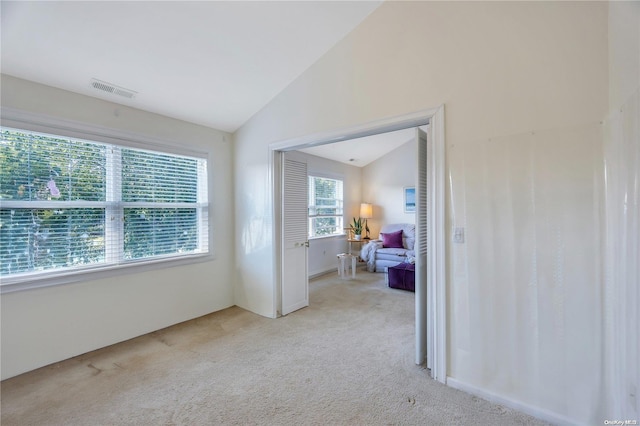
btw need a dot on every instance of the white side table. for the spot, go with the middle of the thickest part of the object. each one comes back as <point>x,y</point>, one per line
<point>351,241</point>
<point>343,265</point>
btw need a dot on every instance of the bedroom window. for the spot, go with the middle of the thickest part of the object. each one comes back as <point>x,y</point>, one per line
<point>325,207</point>
<point>70,205</point>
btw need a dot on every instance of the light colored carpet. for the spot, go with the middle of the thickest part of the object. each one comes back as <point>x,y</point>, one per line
<point>345,360</point>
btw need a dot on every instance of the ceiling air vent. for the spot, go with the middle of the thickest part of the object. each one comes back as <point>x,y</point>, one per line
<point>112,88</point>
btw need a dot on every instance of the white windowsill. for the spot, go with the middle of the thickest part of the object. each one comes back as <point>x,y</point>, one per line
<point>55,278</point>
<point>324,237</point>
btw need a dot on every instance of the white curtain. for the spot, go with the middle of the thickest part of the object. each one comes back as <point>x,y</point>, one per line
<point>526,285</point>
<point>622,296</point>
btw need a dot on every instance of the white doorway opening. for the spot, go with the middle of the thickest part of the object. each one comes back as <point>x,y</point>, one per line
<point>431,294</point>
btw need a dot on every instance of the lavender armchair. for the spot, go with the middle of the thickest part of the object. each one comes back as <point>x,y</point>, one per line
<point>379,257</point>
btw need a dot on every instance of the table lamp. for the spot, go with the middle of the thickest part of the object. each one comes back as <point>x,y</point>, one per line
<point>366,212</point>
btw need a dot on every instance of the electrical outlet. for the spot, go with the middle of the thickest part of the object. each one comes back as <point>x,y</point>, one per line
<point>458,235</point>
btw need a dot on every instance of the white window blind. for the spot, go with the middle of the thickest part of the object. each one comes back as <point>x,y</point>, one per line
<point>69,204</point>
<point>326,215</point>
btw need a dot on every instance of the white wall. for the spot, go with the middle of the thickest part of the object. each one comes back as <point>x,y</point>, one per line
<point>46,325</point>
<point>383,181</point>
<point>322,251</point>
<point>624,51</point>
<point>536,69</point>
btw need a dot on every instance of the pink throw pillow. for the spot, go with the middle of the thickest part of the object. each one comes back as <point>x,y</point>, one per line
<point>392,239</point>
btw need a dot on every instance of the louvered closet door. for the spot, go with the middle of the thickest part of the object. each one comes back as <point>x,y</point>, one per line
<point>295,283</point>
<point>421,248</point>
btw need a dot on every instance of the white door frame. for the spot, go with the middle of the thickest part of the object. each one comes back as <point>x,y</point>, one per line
<point>436,276</point>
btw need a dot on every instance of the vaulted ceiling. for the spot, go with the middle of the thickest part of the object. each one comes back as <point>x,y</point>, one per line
<point>214,63</point>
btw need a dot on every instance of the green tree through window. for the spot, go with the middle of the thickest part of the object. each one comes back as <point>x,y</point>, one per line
<point>325,206</point>
<point>68,203</point>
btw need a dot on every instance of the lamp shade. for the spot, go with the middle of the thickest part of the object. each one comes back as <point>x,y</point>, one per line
<point>366,210</point>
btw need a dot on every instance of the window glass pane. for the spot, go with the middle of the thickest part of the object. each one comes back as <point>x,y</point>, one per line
<point>148,176</point>
<point>41,239</point>
<point>38,167</point>
<point>325,206</point>
<point>154,231</point>
<point>326,226</point>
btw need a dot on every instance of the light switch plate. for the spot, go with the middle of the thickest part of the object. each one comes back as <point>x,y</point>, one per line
<point>458,235</point>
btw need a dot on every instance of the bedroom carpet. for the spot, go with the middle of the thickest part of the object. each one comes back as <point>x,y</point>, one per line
<point>345,360</point>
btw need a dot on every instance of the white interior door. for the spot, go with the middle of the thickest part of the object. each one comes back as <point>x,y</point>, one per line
<point>422,215</point>
<point>295,281</point>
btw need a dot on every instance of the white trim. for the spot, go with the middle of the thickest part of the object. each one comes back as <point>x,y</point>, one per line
<point>75,129</point>
<point>384,125</point>
<point>324,237</point>
<point>311,201</point>
<point>331,270</point>
<point>539,413</point>
<point>437,315</point>
<point>97,272</point>
<point>436,311</point>
<point>114,229</point>
<point>276,159</point>
<point>326,175</point>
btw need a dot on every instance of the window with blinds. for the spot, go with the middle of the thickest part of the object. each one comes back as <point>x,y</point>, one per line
<point>326,213</point>
<point>68,204</point>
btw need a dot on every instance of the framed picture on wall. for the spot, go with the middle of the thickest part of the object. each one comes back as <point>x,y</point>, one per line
<point>409,199</point>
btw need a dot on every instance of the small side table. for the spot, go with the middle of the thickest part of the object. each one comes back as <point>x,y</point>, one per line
<point>350,241</point>
<point>343,265</point>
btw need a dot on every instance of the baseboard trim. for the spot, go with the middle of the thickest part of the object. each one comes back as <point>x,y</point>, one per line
<point>318,274</point>
<point>495,398</point>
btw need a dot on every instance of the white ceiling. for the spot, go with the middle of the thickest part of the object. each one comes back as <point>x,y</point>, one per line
<point>214,63</point>
<point>362,151</point>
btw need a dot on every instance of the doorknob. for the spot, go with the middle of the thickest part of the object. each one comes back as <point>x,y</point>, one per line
<point>306,244</point>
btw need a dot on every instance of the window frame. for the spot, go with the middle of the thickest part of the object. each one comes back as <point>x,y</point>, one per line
<point>310,218</point>
<point>38,123</point>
